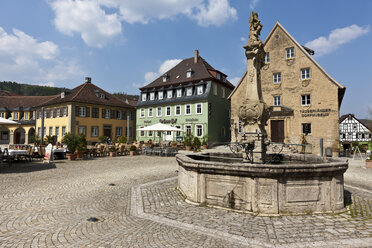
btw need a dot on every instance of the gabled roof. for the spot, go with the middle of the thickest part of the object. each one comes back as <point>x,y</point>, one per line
<point>22,102</point>
<point>365,122</point>
<point>177,75</point>
<point>87,93</point>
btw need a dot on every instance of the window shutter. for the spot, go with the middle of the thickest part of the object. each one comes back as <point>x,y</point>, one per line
<point>66,111</point>
<point>60,112</point>
<point>112,114</point>
<point>124,115</point>
<point>103,113</point>
<point>76,110</point>
<point>55,112</point>
<point>88,112</point>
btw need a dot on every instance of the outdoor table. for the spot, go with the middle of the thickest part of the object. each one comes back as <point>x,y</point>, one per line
<point>16,154</point>
<point>59,153</point>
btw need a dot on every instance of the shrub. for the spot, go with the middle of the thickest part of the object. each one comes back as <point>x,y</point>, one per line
<point>72,141</point>
<point>82,142</point>
<point>133,148</point>
<point>196,143</point>
<point>122,139</point>
<point>188,139</point>
<point>205,139</point>
<point>36,140</point>
<point>50,139</point>
<point>102,139</point>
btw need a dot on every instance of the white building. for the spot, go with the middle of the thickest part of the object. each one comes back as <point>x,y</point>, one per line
<point>352,129</point>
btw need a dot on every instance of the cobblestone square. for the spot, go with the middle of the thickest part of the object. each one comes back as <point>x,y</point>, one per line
<point>137,205</point>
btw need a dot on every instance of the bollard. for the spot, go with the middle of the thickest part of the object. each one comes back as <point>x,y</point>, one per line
<point>321,146</point>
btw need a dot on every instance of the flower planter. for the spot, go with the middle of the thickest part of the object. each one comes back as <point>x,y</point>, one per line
<point>71,156</point>
<point>112,154</point>
<point>368,163</point>
<point>188,148</point>
<point>205,147</point>
<point>132,153</point>
<point>79,155</point>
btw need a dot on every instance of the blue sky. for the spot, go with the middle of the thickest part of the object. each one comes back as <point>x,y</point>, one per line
<point>124,44</point>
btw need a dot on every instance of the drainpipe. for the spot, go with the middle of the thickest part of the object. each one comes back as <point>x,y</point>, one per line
<point>128,117</point>
<point>42,125</point>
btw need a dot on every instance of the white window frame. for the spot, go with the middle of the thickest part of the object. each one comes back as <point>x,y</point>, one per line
<point>196,108</point>
<point>50,131</point>
<point>188,126</point>
<point>289,53</point>
<point>189,91</point>
<point>218,75</point>
<point>82,129</point>
<point>120,133</point>
<point>152,96</point>
<point>277,100</point>
<point>52,114</point>
<point>63,130</point>
<point>306,100</point>
<point>160,95</point>
<point>142,133</point>
<point>94,131</point>
<point>178,133</point>
<point>267,58</point>
<point>56,131</point>
<point>150,134</point>
<point>277,78</point>
<point>157,112</point>
<point>305,74</point>
<point>199,90</point>
<point>175,110</point>
<point>150,112</point>
<point>166,111</point>
<point>82,112</point>
<point>64,111</point>
<point>58,112</point>
<point>142,113</point>
<point>196,130</point>
<point>169,93</point>
<point>187,105</point>
<point>119,115</point>
<point>108,114</point>
<point>188,74</point>
<point>144,96</point>
<point>179,92</point>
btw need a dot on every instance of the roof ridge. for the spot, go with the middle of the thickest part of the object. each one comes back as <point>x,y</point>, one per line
<point>77,93</point>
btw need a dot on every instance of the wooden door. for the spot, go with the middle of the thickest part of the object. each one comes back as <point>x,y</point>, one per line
<point>277,130</point>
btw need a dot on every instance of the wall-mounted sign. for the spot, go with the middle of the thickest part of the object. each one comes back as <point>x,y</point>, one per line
<point>192,119</point>
<point>171,121</point>
<point>315,112</point>
<point>147,121</point>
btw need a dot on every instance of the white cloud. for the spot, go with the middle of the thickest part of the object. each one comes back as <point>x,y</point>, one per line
<point>164,67</point>
<point>97,27</point>
<point>234,80</point>
<point>86,18</point>
<point>253,4</point>
<point>336,38</point>
<point>50,84</point>
<point>243,39</point>
<point>24,59</point>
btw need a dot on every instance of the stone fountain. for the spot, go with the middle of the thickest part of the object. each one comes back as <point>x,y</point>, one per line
<point>297,185</point>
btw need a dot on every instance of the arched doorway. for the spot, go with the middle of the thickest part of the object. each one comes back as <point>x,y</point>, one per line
<point>4,135</point>
<point>31,133</point>
<point>19,136</point>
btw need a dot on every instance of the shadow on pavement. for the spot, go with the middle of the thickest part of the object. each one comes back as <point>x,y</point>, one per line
<point>24,167</point>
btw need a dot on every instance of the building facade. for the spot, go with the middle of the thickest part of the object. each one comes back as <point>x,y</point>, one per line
<point>305,99</point>
<point>86,109</point>
<point>353,130</point>
<point>191,96</point>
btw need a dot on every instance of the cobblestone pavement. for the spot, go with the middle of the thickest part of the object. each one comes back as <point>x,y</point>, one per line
<point>48,206</point>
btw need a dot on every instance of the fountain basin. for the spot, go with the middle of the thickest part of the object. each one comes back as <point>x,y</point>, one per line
<point>299,185</point>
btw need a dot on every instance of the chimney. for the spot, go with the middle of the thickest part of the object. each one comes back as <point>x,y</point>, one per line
<point>63,94</point>
<point>88,80</point>
<point>196,55</point>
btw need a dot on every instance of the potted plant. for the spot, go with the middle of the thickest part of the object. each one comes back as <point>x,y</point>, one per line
<point>132,150</point>
<point>36,140</point>
<point>72,141</point>
<point>50,139</point>
<point>102,139</point>
<point>196,144</point>
<point>188,141</point>
<point>112,150</point>
<point>81,146</point>
<point>149,143</point>
<point>122,140</point>
<point>204,141</point>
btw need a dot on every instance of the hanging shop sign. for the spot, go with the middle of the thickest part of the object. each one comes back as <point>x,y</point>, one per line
<point>171,121</point>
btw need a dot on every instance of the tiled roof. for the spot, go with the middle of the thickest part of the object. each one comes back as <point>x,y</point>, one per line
<point>89,93</point>
<point>177,75</point>
<point>7,93</point>
<point>17,102</point>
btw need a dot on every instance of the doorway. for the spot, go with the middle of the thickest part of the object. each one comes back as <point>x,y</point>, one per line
<point>107,131</point>
<point>277,131</point>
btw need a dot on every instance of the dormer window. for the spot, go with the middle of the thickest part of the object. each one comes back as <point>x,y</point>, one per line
<point>189,73</point>
<point>144,96</point>
<point>179,92</point>
<point>169,94</point>
<point>152,96</point>
<point>199,90</point>
<point>189,91</point>
<point>218,76</point>
<point>165,77</point>
<point>160,95</point>
<point>98,94</point>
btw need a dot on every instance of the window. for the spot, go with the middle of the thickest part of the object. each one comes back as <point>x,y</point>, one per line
<point>306,128</point>
<point>199,90</point>
<point>82,112</point>
<point>188,129</point>
<point>160,95</point>
<point>168,111</point>
<point>94,131</point>
<point>142,133</point>
<point>63,131</point>
<point>58,112</point>
<point>39,131</point>
<point>188,109</point>
<point>158,112</point>
<point>26,116</point>
<point>223,92</point>
<point>169,93</point>
<point>64,111</point>
<point>108,114</point>
<point>44,133</point>
<point>95,112</point>
<point>215,89</point>
<point>51,113</point>
<point>152,96</point>
<point>179,92</point>
<point>189,73</point>
<point>15,116</point>
<point>355,127</point>
<point>119,131</point>
<point>149,114</point>
<point>305,73</point>
<point>178,133</point>
<point>277,101</point>
<point>150,134</point>
<point>199,130</point>
<point>289,53</point>
<point>277,78</point>
<point>240,129</point>
<point>118,114</point>
<point>267,58</point>
<point>305,100</point>
<point>144,96</point>
<point>50,131</point>
<point>218,75</point>
<point>198,109</point>
<point>82,129</point>
<point>165,78</point>
<point>57,131</point>
<point>189,91</point>
<point>2,115</point>
<point>142,113</point>
<point>178,110</point>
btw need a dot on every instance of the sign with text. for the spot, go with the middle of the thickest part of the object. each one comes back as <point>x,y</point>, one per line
<point>48,157</point>
<point>315,112</point>
<point>171,121</point>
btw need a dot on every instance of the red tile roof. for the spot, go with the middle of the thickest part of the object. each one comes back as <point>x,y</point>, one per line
<point>12,102</point>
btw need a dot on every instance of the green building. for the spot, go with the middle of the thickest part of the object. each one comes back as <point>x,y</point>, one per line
<point>191,96</point>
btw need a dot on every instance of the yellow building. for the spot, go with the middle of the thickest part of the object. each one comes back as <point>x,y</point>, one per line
<point>86,109</point>
<point>304,97</point>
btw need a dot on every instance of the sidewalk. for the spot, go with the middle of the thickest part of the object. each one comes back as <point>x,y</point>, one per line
<point>357,175</point>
